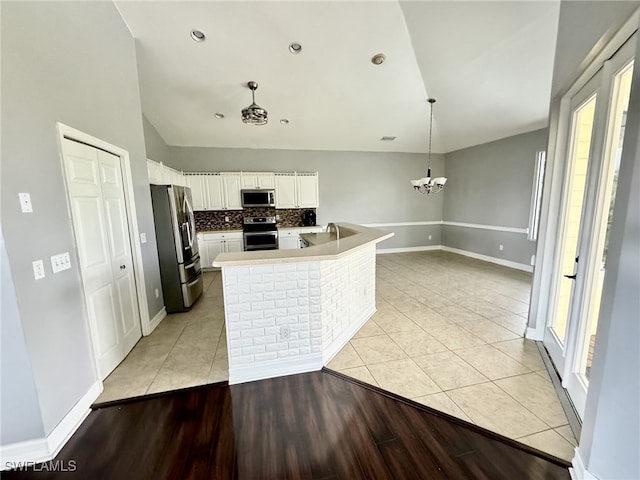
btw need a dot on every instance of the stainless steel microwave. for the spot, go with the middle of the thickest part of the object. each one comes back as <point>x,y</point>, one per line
<point>258,198</point>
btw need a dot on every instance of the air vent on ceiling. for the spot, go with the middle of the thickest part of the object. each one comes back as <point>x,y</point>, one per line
<point>388,139</point>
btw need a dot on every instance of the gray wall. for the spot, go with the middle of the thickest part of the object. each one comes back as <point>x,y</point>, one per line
<point>610,439</point>
<point>578,42</point>
<point>156,147</point>
<point>490,184</point>
<point>77,66</point>
<point>357,187</point>
<point>19,407</point>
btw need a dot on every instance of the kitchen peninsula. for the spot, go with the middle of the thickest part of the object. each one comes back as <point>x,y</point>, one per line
<point>291,311</point>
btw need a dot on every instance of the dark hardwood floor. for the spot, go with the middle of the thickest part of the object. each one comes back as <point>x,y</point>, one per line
<point>319,425</point>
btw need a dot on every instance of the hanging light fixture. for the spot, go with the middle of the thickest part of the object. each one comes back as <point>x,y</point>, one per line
<point>427,185</point>
<point>254,114</point>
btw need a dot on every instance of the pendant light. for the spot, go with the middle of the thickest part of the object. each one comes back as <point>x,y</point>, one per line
<point>254,114</point>
<point>427,185</point>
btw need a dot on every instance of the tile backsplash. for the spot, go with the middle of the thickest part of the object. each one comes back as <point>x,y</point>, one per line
<point>215,220</point>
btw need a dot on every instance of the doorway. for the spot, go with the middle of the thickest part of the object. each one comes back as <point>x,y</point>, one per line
<point>596,121</point>
<point>101,224</point>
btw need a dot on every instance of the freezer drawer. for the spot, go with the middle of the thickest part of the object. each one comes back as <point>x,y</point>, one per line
<point>190,270</point>
<point>192,290</point>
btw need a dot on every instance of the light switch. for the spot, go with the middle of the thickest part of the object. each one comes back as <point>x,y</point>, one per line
<point>143,237</point>
<point>25,202</point>
<point>60,262</point>
<point>38,269</point>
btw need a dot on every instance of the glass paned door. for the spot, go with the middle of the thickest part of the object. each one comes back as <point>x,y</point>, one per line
<point>583,119</point>
<point>596,117</point>
<point>606,199</point>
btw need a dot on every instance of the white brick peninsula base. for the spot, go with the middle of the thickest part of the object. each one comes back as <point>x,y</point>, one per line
<point>291,311</point>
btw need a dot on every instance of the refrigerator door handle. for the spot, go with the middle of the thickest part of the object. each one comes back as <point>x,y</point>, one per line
<point>191,223</point>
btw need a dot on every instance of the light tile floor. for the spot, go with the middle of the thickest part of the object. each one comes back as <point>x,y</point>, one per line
<point>185,350</point>
<point>447,333</point>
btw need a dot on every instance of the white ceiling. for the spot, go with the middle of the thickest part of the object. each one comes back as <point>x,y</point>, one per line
<point>489,65</point>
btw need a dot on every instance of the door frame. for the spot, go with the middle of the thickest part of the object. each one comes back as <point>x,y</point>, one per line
<point>559,115</point>
<point>70,133</point>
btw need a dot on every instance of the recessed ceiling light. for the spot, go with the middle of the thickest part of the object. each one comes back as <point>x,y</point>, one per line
<point>219,116</point>
<point>388,139</point>
<point>295,47</point>
<point>284,121</point>
<point>198,36</point>
<point>378,58</point>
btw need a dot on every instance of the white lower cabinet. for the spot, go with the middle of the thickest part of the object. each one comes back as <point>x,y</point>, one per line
<point>289,238</point>
<point>212,244</point>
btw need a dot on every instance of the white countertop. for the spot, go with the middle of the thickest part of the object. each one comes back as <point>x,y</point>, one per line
<point>323,246</point>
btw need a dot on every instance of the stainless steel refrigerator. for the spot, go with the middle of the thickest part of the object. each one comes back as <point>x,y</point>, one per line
<point>177,246</point>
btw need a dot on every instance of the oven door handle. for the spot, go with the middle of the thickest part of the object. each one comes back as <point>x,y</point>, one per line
<point>268,232</point>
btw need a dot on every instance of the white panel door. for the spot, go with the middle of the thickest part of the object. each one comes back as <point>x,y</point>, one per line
<point>307,191</point>
<point>103,242</point>
<point>233,245</point>
<point>119,240</point>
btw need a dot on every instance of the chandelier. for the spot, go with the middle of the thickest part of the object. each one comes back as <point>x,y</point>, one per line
<point>427,185</point>
<point>254,114</point>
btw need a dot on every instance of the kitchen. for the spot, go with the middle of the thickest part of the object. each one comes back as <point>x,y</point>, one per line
<point>53,342</point>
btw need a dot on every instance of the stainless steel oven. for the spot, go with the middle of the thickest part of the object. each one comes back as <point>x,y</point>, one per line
<point>260,233</point>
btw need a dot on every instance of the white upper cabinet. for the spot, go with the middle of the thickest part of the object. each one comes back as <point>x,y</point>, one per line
<point>286,190</point>
<point>198,191</point>
<point>262,180</point>
<point>232,199</point>
<point>160,174</point>
<point>296,190</point>
<point>215,192</point>
<point>155,172</point>
<point>307,190</point>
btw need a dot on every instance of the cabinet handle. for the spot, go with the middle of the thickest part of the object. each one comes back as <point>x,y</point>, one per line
<point>122,267</point>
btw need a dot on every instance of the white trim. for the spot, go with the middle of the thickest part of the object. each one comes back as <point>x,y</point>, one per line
<point>496,228</point>
<point>578,471</point>
<point>46,448</point>
<point>155,321</point>
<point>536,334</point>
<point>136,247</point>
<point>486,258</point>
<point>275,368</point>
<point>402,224</point>
<point>339,342</point>
<point>426,248</point>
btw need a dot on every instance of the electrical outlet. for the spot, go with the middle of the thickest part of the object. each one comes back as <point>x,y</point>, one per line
<point>143,237</point>
<point>501,247</point>
<point>226,219</point>
<point>38,269</point>
<point>157,293</point>
<point>25,202</point>
<point>285,332</point>
<point>429,237</point>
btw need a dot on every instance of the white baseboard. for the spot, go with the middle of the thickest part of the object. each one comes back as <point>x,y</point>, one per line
<point>337,344</point>
<point>536,334</point>
<point>46,448</point>
<point>578,471</point>
<point>155,321</point>
<point>487,258</point>
<point>425,248</point>
<point>275,368</point>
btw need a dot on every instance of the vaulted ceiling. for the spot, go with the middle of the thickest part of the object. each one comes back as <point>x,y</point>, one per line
<point>488,64</point>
